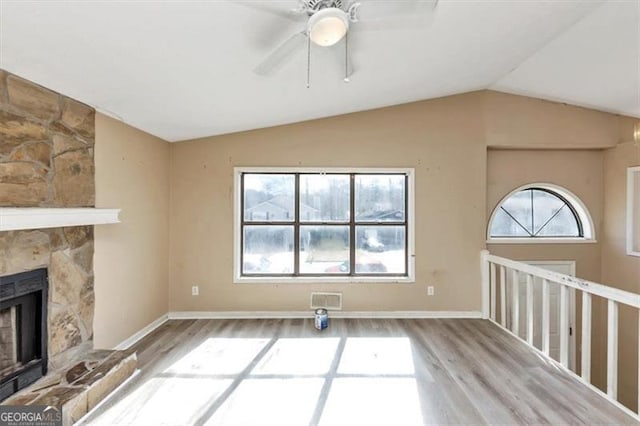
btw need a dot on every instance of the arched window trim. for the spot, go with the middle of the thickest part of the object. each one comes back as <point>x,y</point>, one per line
<point>573,202</point>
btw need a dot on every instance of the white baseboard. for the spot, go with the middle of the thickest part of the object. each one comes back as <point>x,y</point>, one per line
<point>309,314</point>
<point>131,340</point>
<point>134,338</point>
<point>174,315</point>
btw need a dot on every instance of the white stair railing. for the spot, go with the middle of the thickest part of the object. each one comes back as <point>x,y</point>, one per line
<point>495,273</point>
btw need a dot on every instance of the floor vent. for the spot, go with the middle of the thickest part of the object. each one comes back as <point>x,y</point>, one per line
<point>332,301</point>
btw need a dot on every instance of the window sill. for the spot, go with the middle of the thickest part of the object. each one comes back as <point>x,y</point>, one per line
<point>323,280</point>
<point>540,241</point>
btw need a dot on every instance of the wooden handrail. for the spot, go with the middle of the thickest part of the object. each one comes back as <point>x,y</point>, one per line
<point>617,295</point>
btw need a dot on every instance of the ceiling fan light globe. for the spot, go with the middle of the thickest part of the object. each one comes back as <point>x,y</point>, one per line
<point>328,26</point>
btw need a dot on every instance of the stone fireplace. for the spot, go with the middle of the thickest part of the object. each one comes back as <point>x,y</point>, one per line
<point>46,160</point>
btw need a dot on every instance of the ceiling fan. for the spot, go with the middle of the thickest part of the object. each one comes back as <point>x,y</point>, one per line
<point>330,21</point>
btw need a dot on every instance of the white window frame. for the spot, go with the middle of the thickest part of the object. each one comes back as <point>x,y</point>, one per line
<point>580,208</point>
<point>633,217</point>
<point>237,247</point>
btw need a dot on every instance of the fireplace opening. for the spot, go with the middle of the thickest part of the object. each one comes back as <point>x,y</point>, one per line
<point>8,341</point>
<point>23,330</point>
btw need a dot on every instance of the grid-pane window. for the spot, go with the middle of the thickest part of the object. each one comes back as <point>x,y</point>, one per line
<point>324,224</point>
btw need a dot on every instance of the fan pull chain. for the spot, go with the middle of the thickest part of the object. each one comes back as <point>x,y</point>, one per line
<point>308,60</point>
<point>346,58</point>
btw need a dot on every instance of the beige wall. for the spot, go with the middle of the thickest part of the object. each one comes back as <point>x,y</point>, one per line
<point>131,258</point>
<point>441,139</point>
<point>618,269</point>
<point>445,140</point>
<point>579,171</point>
<point>522,122</point>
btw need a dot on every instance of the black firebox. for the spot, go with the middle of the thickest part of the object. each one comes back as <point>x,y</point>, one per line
<point>23,330</point>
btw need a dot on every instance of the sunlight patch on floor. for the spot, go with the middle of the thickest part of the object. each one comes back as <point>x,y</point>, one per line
<point>372,401</point>
<point>377,355</point>
<point>235,381</point>
<point>270,402</point>
<point>299,356</point>
<point>165,401</point>
<point>219,356</point>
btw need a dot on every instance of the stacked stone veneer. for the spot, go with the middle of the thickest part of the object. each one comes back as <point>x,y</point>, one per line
<point>46,160</point>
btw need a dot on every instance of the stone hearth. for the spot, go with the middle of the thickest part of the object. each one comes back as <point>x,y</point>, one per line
<point>79,387</point>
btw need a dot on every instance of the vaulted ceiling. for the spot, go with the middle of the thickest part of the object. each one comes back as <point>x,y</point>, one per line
<point>184,69</point>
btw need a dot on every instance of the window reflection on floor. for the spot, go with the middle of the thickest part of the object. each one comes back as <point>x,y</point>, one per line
<point>270,402</point>
<point>372,401</point>
<point>280,381</point>
<point>165,401</point>
<point>299,356</point>
<point>219,356</point>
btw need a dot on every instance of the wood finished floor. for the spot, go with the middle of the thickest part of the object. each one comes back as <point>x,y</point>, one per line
<point>358,371</point>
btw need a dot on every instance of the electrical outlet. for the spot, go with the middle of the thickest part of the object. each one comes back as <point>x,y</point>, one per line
<point>430,291</point>
<point>195,290</point>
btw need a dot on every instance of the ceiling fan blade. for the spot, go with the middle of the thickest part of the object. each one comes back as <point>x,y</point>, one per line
<point>289,9</point>
<point>379,10</point>
<point>284,52</point>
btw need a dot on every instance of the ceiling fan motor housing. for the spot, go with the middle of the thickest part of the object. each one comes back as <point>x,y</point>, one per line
<point>316,5</point>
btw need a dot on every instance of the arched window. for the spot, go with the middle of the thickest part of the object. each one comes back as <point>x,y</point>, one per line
<point>540,211</point>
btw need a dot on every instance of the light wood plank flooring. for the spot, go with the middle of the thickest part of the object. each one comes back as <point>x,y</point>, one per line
<point>358,371</point>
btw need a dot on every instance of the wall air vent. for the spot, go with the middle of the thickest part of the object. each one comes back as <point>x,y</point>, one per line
<point>330,301</point>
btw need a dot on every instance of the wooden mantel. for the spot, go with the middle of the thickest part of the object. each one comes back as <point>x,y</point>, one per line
<point>17,218</point>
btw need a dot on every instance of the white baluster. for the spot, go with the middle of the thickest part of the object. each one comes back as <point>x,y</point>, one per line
<point>530,309</point>
<point>492,279</point>
<point>484,276</point>
<point>612,350</point>
<point>503,296</point>
<point>586,337</point>
<point>515,308</point>
<point>545,317</point>
<point>564,326</point>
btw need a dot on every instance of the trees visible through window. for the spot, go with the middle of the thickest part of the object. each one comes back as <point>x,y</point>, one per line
<point>323,224</point>
<point>536,213</point>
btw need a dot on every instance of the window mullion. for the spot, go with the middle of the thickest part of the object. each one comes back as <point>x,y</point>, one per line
<point>550,219</point>
<point>296,227</point>
<point>352,226</point>
<point>516,221</point>
<point>406,228</point>
<point>242,223</point>
<point>533,229</point>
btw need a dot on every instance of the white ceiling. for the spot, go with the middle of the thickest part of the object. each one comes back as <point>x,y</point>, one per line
<point>183,69</point>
